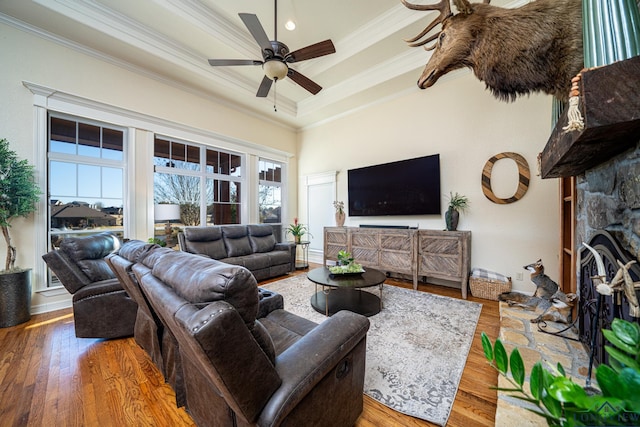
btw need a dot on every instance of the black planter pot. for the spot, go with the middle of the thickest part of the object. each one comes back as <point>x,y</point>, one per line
<point>451,218</point>
<point>15,298</point>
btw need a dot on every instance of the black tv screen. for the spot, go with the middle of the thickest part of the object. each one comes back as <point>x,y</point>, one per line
<point>406,187</point>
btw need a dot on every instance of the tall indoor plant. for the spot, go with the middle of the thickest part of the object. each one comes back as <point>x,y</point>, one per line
<point>18,196</point>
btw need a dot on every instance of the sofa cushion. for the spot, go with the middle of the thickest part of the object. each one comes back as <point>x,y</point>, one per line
<point>279,258</point>
<point>205,240</point>
<point>256,261</point>
<point>89,251</point>
<point>96,269</point>
<point>136,250</point>
<point>236,240</point>
<point>97,246</point>
<point>261,237</point>
<point>203,280</point>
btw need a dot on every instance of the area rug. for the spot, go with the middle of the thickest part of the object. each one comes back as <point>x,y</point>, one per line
<point>417,345</point>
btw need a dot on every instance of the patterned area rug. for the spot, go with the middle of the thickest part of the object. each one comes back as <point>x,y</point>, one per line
<point>417,345</point>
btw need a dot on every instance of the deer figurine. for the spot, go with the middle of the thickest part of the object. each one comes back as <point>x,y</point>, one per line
<point>532,48</point>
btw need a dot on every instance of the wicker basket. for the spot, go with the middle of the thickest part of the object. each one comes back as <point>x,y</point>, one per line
<point>488,288</point>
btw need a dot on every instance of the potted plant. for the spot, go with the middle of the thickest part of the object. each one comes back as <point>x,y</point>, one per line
<point>18,196</point>
<point>297,230</point>
<point>340,215</point>
<point>457,204</point>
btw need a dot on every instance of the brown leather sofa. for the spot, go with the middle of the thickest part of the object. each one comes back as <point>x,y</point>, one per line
<point>240,370</point>
<point>101,307</point>
<point>253,246</point>
<point>150,333</point>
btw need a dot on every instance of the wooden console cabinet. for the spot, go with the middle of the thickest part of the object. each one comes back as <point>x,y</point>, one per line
<point>418,253</point>
<point>445,255</point>
<point>385,249</point>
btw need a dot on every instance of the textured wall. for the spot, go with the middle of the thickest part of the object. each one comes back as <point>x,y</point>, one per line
<point>609,198</point>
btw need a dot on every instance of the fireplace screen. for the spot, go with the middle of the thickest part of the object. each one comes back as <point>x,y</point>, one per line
<point>611,307</point>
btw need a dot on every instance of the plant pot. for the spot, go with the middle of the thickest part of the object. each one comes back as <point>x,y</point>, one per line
<point>15,298</point>
<point>340,217</point>
<point>451,218</point>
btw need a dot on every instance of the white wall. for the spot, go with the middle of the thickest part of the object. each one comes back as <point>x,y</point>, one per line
<point>26,57</point>
<point>462,122</point>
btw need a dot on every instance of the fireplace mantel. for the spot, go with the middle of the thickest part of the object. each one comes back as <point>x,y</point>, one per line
<point>610,106</point>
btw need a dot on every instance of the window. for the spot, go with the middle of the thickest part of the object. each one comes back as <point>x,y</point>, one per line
<point>86,170</point>
<point>205,182</point>
<point>270,191</point>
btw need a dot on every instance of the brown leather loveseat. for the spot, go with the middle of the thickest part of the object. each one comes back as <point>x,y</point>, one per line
<point>240,370</point>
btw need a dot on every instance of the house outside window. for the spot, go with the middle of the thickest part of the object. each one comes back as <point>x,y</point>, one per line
<point>270,193</point>
<point>205,182</point>
<point>86,173</point>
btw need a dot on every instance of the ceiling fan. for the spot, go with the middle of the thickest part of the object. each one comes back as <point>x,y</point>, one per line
<point>276,56</point>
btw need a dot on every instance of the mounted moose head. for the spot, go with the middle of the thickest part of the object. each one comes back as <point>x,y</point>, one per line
<point>535,47</point>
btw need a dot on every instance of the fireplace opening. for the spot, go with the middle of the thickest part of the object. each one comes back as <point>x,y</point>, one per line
<point>611,307</point>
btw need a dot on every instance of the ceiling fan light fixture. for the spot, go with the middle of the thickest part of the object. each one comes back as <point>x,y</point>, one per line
<point>275,69</point>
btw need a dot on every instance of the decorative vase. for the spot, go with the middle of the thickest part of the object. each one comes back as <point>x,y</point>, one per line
<point>298,239</point>
<point>451,218</point>
<point>340,217</point>
<point>15,298</point>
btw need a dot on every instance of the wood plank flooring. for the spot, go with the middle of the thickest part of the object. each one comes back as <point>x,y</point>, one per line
<point>48,377</point>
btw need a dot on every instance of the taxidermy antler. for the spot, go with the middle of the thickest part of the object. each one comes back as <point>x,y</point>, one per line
<point>621,281</point>
<point>535,47</point>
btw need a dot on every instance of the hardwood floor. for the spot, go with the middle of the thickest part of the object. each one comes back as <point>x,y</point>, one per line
<point>48,377</point>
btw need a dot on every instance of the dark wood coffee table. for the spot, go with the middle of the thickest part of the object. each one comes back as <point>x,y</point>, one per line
<point>344,292</point>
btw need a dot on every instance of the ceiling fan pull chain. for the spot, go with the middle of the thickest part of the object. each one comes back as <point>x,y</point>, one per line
<point>275,92</point>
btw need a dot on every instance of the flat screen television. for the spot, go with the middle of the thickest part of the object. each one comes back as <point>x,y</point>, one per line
<point>406,187</point>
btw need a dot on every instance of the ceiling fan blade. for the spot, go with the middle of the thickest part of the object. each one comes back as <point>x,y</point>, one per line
<point>224,62</point>
<point>257,31</point>
<point>303,81</point>
<point>312,51</point>
<point>264,88</point>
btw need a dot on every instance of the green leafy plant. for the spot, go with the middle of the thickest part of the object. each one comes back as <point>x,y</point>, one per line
<point>157,241</point>
<point>346,264</point>
<point>297,229</point>
<point>18,196</point>
<point>561,401</point>
<point>344,258</point>
<point>458,203</point>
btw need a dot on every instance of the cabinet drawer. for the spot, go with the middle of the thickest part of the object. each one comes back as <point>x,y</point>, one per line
<point>364,240</point>
<point>332,251</point>
<point>336,237</point>
<point>396,242</point>
<point>400,262</point>
<point>365,256</point>
<point>443,245</point>
<point>440,266</point>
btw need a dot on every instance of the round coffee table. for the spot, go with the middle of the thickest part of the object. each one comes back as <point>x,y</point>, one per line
<point>344,292</point>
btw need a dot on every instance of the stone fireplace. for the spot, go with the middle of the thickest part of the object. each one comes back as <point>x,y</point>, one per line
<point>608,218</point>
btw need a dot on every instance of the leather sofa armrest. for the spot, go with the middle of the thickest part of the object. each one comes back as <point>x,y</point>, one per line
<point>98,288</point>
<point>67,271</point>
<point>288,246</point>
<point>308,361</point>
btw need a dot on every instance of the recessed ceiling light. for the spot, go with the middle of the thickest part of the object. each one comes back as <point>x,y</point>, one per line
<point>290,25</point>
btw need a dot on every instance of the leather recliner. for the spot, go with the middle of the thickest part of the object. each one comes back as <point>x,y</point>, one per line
<point>239,370</point>
<point>150,333</point>
<point>101,307</point>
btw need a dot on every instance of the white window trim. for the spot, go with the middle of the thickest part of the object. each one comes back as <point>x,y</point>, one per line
<point>47,99</point>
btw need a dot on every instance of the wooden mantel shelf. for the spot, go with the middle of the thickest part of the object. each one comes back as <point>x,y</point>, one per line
<point>610,106</point>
